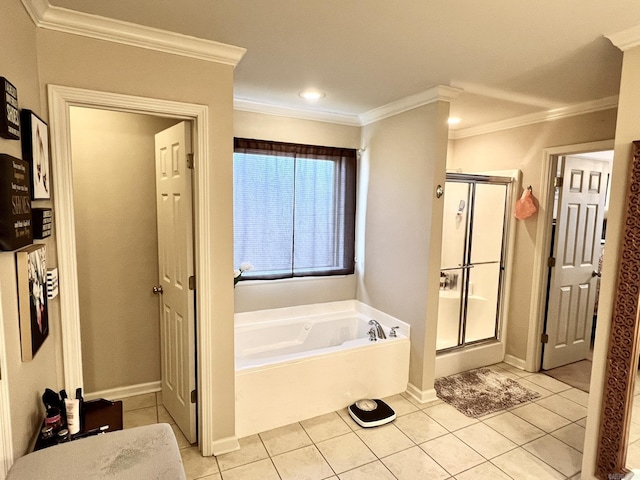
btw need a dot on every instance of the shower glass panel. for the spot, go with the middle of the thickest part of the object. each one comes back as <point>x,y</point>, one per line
<point>472,261</point>
<point>454,232</point>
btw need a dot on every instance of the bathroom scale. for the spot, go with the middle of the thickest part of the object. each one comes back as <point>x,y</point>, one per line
<point>371,413</point>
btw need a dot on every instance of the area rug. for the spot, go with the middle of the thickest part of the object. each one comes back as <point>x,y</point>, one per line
<point>576,374</point>
<point>481,391</point>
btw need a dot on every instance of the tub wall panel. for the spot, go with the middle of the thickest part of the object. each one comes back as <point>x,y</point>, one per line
<point>277,395</point>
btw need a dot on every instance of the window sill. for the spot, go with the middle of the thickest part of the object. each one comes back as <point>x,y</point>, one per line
<point>249,283</point>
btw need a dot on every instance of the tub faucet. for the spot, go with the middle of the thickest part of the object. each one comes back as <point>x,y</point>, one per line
<point>372,335</point>
<point>379,329</point>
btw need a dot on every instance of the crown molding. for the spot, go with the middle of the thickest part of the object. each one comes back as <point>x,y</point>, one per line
<point>59,19</point>
<point>538,117</point>
<point>439,93</point>
<point>299,113</point>
<point>626,39</point>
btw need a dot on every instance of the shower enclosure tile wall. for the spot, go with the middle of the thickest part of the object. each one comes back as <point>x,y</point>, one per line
<point>472,262</point>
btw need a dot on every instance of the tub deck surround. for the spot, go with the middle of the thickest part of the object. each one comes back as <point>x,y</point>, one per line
<point>300,362</point>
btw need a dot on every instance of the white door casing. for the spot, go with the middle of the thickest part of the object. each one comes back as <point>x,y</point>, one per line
<point>60,99</point>
<point>576,251</point>
<point>176,267</point>
<point>6,441</point>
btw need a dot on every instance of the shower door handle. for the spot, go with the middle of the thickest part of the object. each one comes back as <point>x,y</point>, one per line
<point>466,267</point>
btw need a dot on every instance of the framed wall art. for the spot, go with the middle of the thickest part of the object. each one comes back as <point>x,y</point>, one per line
<point>15,203</point>
<point>35,149</point>
<point>9,116</point>
<point>31,272</point>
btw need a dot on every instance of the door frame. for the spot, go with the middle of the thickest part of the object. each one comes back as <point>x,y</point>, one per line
<point>61,98</point>
<point>543,243</point>
<point>6,439</point>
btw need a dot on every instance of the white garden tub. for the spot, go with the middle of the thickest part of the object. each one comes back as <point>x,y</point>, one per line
<point>299,362</point>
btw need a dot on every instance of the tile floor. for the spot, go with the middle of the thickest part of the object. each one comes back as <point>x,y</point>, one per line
<point>538,440</point>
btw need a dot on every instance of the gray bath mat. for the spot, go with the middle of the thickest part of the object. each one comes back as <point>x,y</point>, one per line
<point>481,391</point>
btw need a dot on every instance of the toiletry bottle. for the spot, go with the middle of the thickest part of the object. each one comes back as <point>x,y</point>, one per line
<point>72,407</point>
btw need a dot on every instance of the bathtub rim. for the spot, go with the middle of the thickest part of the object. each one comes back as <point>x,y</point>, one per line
<point>266,316</point>
<point>320,312</point>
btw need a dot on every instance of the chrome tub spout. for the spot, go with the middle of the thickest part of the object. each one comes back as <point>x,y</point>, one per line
<point>379,329</point>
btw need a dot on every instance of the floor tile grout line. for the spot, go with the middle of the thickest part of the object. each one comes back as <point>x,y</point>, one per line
<point>547,463</point>
<point>268,456</point>
<point>498,467</point>
<point>451,475</point>
<point>485,458</point>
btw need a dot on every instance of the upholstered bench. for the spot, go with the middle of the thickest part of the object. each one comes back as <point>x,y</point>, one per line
<point>143,453</point>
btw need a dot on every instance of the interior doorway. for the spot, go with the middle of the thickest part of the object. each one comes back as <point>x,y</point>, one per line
<point>117,249</point>
<point>543,235</point>
<point>60,100</point>
<point>578,228</point>
<point>130,239</point>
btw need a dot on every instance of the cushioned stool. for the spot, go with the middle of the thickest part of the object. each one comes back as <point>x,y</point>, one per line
<point>149,453</point>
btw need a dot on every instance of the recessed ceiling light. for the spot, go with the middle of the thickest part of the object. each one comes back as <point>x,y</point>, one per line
<point>453,121</point>
<point>312,95</point>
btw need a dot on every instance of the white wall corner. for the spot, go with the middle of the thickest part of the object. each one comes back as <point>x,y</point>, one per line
<point>36,9</point>
<point>438,93</point>
<point>626,39</point>
<point>64,20</point>
<point>422,396</point>
<point>515,361</point>
<point>225,445</point>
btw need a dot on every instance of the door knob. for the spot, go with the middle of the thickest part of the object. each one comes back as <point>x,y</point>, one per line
<point>157,289</point>
<point>596,274</point>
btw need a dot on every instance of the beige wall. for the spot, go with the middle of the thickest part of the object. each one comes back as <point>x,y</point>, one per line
<point>117,246</point>
<point>27,381</point>
<point>627,130</point>
<point>258,295</point>
<point>92,64</point>
<point>403,161</point>
<point>522,148</point>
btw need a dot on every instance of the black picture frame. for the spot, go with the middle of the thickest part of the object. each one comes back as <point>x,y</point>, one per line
<point>31,269</point>
<point>35,150</point>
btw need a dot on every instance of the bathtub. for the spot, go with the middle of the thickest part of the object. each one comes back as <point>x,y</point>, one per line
<point>300,362</point>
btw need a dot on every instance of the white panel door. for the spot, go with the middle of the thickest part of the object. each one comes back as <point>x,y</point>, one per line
<point>577,250</point>
<point>176,266</point>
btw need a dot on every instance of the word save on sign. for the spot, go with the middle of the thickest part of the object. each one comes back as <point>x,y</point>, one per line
<point>9,114</point>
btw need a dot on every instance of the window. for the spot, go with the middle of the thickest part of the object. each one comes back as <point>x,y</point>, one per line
<point>294,209</point>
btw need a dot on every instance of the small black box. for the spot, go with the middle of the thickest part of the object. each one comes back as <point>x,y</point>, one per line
<point>42,222</point>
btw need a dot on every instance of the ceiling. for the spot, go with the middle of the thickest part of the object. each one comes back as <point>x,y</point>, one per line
<point>510,58</point>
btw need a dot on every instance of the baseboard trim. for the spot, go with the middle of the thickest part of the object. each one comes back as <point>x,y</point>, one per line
<point>124,392</point>
<point>422,396</point>
<point>515,362</point>
<point>225,445</point>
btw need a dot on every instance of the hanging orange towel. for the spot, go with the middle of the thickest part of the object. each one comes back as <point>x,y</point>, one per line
<point>525,206</point>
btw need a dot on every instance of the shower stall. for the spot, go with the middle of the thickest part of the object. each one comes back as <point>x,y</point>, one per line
<point>474,239</point>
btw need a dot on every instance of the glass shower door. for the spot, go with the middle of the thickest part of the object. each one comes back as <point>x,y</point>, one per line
<point>472,260</point>
<point>454,233</point>
<point>485,258</point>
